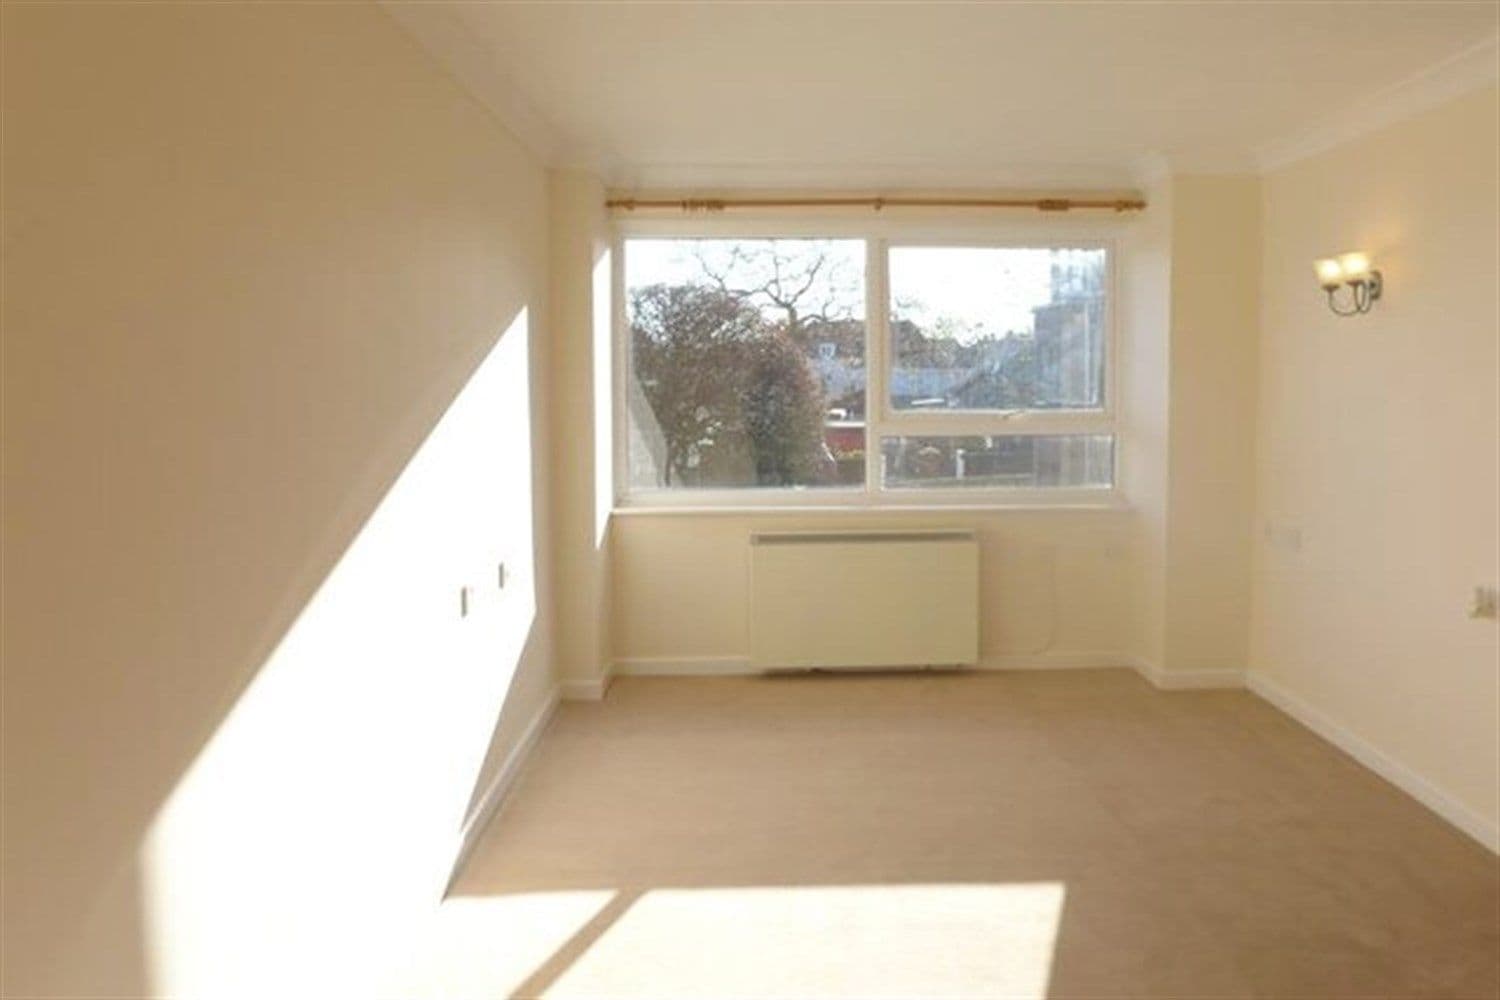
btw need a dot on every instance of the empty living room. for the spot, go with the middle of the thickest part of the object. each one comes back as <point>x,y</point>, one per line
<point>749,499</point>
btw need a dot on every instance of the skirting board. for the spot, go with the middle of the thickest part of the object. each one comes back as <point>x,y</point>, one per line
<point>590,689</point>
<point>1188,680</point>
<point>1165,680</point>
<point>1486,831</point>
<point>501,784</point>
<point>735,666</point>
<point>1052,660</point>
<point>683,666</point>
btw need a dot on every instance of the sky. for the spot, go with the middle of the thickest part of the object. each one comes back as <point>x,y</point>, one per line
<point>979,289</point>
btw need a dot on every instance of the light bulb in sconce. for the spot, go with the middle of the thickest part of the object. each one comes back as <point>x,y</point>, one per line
<point>1352,269</point>
<point>1356,266</point>
<point>1330,274</point>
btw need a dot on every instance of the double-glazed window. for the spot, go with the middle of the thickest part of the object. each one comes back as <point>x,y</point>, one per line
<point>807,370</point>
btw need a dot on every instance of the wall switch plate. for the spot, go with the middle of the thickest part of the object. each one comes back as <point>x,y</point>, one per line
<point>1484,603</point>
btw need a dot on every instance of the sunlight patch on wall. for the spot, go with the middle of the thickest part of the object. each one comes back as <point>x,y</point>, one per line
<point>322,816</point>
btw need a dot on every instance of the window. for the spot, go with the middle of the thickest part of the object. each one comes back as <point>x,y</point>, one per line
<point>747,364</point>
<point>753,374</point>
<point>1005,461</point>
<point>1002,328</point>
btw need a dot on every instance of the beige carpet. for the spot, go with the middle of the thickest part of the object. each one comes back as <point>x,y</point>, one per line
<point>1065,834</point>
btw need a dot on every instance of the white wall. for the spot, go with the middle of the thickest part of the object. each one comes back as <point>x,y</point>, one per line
<point>1144,364</point>
<point>1054,586</point>
<point>1377,443</point>
<point>274,291</point>
<point>582,459</point>
<point>1211,425</point>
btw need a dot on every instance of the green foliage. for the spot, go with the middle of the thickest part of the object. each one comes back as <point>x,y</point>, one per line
<point>783,413</point>
<point>688,343</point>
<point>718,376</point>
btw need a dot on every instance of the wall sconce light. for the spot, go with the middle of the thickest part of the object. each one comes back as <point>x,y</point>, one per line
<point>1352,269</point>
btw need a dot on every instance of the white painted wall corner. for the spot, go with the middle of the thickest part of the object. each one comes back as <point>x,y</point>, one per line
<point>585,688</point>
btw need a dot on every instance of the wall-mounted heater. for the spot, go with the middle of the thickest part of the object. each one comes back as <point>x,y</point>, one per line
<point>863,599</point>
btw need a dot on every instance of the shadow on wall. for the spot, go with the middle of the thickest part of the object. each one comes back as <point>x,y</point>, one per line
<point>318,825</point>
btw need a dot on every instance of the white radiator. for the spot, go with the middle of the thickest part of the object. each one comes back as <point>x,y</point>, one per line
<point>856,599</point>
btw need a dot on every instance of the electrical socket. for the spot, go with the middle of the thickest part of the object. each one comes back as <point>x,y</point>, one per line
<point>1484,603</point>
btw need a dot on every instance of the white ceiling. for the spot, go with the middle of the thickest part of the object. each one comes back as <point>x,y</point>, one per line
<point>808,92</point>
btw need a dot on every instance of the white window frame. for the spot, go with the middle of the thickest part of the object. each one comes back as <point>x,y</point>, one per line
<point>882,419</point>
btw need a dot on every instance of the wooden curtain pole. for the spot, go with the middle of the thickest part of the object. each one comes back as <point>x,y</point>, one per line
<point>721,204</point>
